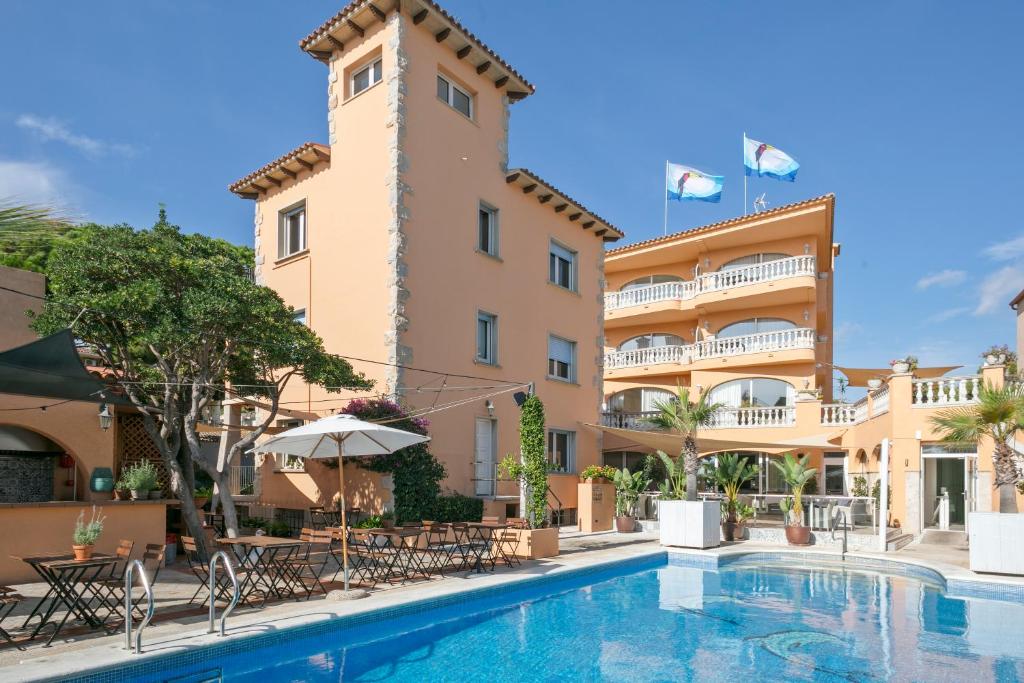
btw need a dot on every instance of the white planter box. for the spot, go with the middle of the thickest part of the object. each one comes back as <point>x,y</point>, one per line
<point>996,542</point>
<point>690,524</point>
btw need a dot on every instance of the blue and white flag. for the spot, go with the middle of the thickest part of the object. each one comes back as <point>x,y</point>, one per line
<point>685,184</point>
<point>761,159</point>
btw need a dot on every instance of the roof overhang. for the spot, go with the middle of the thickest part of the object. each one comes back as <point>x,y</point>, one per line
<point>669,441</point>
<point>351,23</point>
<point>1015,304</point>
<point>302,159</point>
<point>561,203</point>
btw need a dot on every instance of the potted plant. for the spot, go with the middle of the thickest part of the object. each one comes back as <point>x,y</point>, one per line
<point>874,383</point>
<point>899,366</point>
<point>598,473</point>
<point>744,513</point>
<point>730,473</point>
<point>121,491</point>
<point>140,479</point>
<point>628,487</point>
<point>202,496</point>
<point>87,533</point>
<point>796,474</point>
<point>156,491</point>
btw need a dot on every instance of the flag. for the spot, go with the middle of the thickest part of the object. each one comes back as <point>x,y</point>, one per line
<point>684,184</point>
<point>761,159</point>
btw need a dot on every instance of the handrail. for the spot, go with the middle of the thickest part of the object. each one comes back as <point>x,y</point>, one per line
<point>129,575</point>
<point>220,554</point>
<point>837,515</point>
<point>558,516</point>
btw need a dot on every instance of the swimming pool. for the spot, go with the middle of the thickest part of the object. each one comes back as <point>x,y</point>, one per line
<point>660,620</point>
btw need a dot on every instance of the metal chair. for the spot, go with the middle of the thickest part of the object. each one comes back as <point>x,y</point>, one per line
<point>8,601</point>
<point>505,546</point>
<point>202,572</point>
<point>312,558</point>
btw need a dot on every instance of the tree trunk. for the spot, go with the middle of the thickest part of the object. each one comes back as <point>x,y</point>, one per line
<point>227,503</point>
<point>691,463</point>
<point>1006,477</point>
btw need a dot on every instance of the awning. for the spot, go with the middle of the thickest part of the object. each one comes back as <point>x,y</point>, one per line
<point>859,376</point>
<point>669,441</point>
<point>51,368</point>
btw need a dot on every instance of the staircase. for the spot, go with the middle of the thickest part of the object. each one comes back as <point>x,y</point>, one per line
<point>897,538</point>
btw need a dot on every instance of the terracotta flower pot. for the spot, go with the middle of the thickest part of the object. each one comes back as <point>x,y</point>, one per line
<point>121,494</point>
<point>798,535</point>
<point>625,525</point>
<point>82,552</point>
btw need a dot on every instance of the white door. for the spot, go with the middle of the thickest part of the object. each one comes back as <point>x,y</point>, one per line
<point>970,487</point>
<point>484,457</point>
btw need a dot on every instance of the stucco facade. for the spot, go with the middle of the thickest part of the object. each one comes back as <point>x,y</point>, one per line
<point>392,270</point>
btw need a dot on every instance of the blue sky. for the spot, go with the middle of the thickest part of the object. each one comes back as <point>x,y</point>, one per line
<point>908,111</point>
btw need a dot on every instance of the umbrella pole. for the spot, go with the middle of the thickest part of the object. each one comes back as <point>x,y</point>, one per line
<point>344,523</point>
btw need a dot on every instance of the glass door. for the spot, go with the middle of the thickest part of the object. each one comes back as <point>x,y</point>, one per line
<point>970,486</point>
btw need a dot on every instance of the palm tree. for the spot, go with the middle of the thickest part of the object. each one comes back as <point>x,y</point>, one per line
<point>731,473</point>
<point>687,417</point>
<point>998,415</point>
<point>27,233</point>
<point>797,475</point>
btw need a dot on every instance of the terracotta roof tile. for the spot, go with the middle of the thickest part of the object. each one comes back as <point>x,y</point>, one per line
<point>723,224</point>
<point>277,163</point>
<point>513,172</point>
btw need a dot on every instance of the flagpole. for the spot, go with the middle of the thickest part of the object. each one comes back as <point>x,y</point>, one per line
<point>664,194</point>
<point>744,173</point>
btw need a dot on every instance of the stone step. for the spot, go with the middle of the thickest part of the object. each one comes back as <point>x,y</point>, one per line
<point>895,543</point>
<point>939,537</point>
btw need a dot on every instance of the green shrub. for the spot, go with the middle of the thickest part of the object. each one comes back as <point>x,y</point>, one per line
<point>87,533</point>
<point>458,508</point>
<point>142,476</point>
<point>598,471</point>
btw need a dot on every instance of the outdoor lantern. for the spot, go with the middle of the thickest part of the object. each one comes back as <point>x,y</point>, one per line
<point>490,407</point>
<point>105,417</point>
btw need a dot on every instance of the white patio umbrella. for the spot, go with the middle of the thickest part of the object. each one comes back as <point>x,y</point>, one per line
<point>340,436</point>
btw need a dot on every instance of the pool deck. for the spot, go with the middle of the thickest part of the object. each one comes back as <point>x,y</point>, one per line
<point>180,628</point>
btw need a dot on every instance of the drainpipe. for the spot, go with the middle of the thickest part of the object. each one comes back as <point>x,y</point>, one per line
<point>883,499</point>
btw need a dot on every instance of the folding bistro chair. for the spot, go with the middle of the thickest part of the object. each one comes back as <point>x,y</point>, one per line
<point>364,563</point>
<point>202,572</point>
<point>312,558</point>
<point>8,601</point>
<point>103,587</point>
<point>489,520</point>
<point>505,547</point>
<point>152,562</point>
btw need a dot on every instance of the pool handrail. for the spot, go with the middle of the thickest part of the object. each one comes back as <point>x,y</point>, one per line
<point>235,593</point>
<point>129,576</point>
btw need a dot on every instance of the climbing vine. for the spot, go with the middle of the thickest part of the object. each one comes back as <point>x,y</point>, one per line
<point>531,470</point>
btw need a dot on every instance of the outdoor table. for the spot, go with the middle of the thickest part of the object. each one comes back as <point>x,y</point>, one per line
<point>481,539</point>
<point>405,555</point>
<point>71,585</point>
<point>265,561</point>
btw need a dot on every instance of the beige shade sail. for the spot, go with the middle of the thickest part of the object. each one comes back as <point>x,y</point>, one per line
<point>669,441</point>
<point>859,376</point>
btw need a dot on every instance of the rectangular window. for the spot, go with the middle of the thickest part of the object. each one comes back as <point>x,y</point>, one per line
<point>289,463</point>
<point>562,267</point>
<point>291,236</point>
<point>365,77</point>
<point>562,450</point>
<point>561,358</point>
<point>487,230</point>
<point>484,466</point>
<point>454,96</point>
<point>486,338</point>
<point>299,316</point>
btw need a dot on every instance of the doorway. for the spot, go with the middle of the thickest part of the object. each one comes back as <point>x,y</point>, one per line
<point>950,484</point>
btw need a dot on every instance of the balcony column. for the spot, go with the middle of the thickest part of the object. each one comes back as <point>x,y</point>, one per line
<point>988,494</point>
<point>808,411</point>
<point>904,454</point>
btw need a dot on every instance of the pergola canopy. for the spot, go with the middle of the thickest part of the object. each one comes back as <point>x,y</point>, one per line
<point>859,376</point>
<point>669,441</point>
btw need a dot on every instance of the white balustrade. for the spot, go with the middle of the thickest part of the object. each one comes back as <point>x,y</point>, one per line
<point>838,414</point>
<point>945,391</point>
<point>242,480</point>
<point>779,340</point>
<point>619,420</point>
<point>880,401</point>
<point>860,410</point>
<point>711,282</point>
<point>650,356</point>
<point>773,416</point>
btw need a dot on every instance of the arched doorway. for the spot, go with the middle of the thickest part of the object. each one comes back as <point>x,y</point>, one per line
<point>28,465</point>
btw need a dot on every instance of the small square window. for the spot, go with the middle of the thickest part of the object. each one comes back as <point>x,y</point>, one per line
<point>486,338</point>
<point>454,96</point>
<point>291,236</point>
<point>562,450</point>
<point>562,267</point>
<point>283,462</point>
<point>561,359</point>
<point>365,77</point>
<point>487,230</point>
<point>299,316</point>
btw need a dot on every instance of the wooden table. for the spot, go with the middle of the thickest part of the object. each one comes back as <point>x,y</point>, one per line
<point>265,561</point>
<point>71,585</point>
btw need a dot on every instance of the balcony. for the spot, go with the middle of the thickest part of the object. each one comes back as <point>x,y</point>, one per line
<point>725,347</point>
<point>725,418</point>
<point>770,271</point>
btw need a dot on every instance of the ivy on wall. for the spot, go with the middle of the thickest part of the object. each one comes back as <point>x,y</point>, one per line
<point>531,470</point>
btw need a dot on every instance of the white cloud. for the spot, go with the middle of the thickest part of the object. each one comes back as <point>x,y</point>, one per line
<point>50,129</point>
<point>999,288</point>
<point>943,278</point>
<point>948,314</point>
<point>1006,251</point>
<point>846,330</point>
<point>30,182</point>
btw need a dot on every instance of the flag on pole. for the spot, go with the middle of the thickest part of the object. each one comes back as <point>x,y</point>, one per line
<point>761,159</point>
<point>683,183</point>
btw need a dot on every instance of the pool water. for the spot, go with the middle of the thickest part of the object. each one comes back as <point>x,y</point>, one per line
<point>744,622</point>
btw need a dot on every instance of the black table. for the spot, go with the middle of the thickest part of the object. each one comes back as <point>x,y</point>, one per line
<point>71,585</point>
<point>264,561</point>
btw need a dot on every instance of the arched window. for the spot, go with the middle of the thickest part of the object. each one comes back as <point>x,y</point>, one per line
<point>639,400</point>
<point>646,341</point>
<point>752,260</point>
<point>754,392</point>
<point>649,280</point>
<point>754,326</point>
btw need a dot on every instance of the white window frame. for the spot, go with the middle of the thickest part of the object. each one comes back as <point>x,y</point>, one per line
<point>571,379</point>
<point>492,229</point>
<point>570,449</point>
<point>284,246</point>
<point>450,101</point>
<point>492,342</point>
<point>573,261</point>
<point>299,316</point>
<point>289,463</point>
<point>374,66</point>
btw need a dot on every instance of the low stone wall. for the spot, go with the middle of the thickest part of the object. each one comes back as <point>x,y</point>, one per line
<point>777,536</point>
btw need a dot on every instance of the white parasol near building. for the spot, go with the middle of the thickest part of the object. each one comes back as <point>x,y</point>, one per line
<point>340,436</point>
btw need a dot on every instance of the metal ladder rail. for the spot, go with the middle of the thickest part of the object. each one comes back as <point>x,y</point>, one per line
<point>222,555</point>
<point>835,517</point>
<point>129,576</point>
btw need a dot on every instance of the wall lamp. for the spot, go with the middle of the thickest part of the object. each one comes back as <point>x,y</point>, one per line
<point>106,419</point>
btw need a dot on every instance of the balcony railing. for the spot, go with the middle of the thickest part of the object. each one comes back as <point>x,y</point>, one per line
<point>712,282</point>
<point>242,480</point>
<point>838,414</point>
<point>880,401</point>
<point>725,418</point>
<point>780,340</point>
<point>945,391</point>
